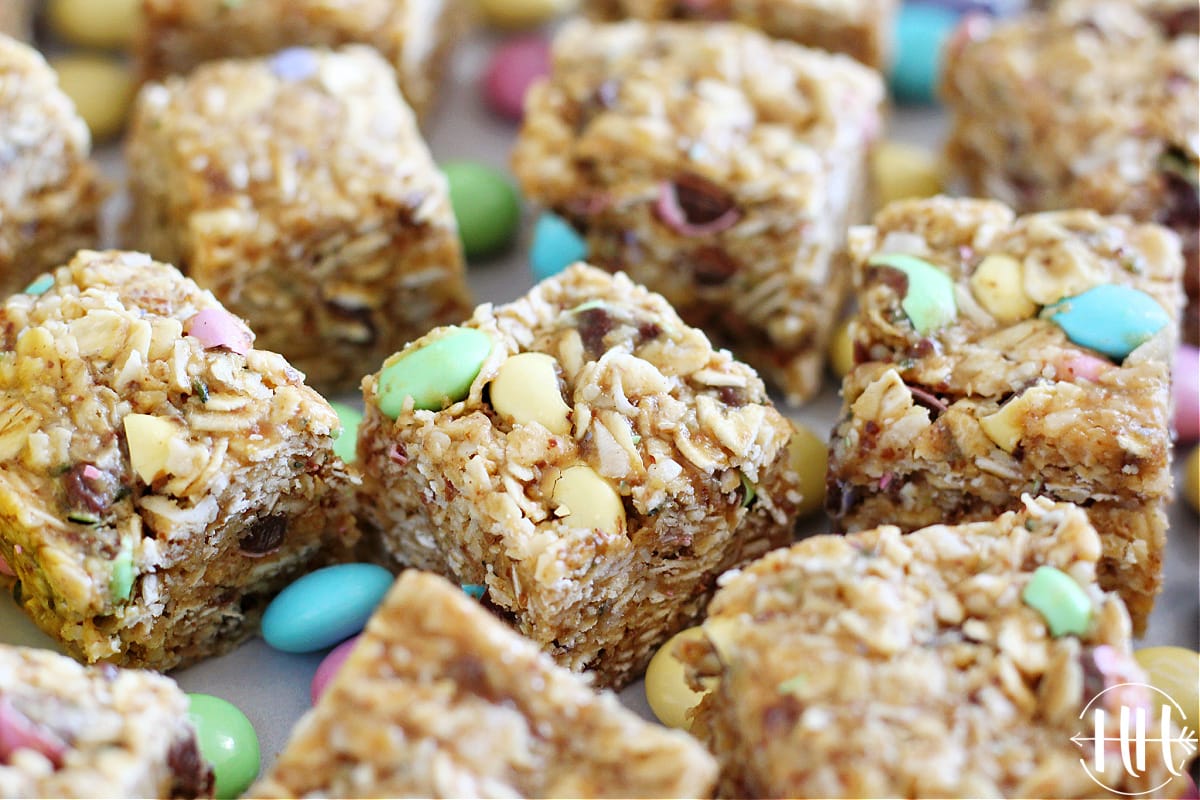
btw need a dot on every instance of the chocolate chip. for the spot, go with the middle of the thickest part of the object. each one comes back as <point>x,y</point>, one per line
<point>779,718</point>
<point>892,278</point>
<point>702,201</point>
<point>648,332</point>
<point>712,10</point>
<point>929,400</point>
<point>191,776</point>
<point>712,266</point>
<point>351,323</point>
<point>593,325</point>
<point>89,488</point>
<point>1181,208</point>
<point>732,396</point>
<point>840,498</point>
<point>263,536</point>
<point>1182,21</point>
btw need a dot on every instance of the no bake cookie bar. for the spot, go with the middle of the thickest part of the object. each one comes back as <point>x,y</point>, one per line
<point>596,466</point>
<point>50,191</point>
<point>298,189</point>
<point>858,28</point>
<point>73,731</point>
<point>440,699</point>
<point>160,477</point>
<point>933,664</point>
<point>999,355</point>
<point>715,166</point>
<point>1093,104</point>
<point>414,36</point>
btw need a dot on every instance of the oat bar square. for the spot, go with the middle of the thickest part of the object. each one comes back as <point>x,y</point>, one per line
<point>160,478</point>
<point>980,375</point>
<point>440,699</point>
<point>717,167</point>
<point>298,189</point>
<point>596,467</point>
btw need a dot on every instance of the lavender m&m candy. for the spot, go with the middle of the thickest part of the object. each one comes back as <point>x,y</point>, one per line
<point>294,64</point>
<point>1186,388</point>
<point>329,667</point>
<point>511,70</point>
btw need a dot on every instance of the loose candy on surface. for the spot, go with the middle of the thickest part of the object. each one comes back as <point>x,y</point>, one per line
<point>809,457</point>
<point>1113,320</point>
<point>667,691</point>
<point>227,741</point>
<point>40,285</point>
<point>511,70</point>
<point>436,374</point>
<point>901,171</point>
<point>486,207</point>
<point>921,33</point>
<point>102,89</point>
<point>1191,480</point>
<point>1062,602</point>
<point>1185,387</point>
<point>329,667</point>
<point>324,607</point>
<point>516,14</point>
<point>1176,672</point>
<point>841,349</point>
<point>526,390</point>
<point>347,441</point>
<point>929,297</point>
<point>556,246</point>
<point>216,329</point>
<point>107,24</point>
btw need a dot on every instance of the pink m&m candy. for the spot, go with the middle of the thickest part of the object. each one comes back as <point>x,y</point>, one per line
<point>329,667</point>
<point>513,67</point>
<point>215,327</point>
<point>1187,393</point>
<point>5,569</point>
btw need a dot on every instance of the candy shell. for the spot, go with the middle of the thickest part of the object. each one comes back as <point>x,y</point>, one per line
<point>809,457</point>
<point>435,374</point>
<point>217,328</point>
<point>1191,480</point>
<point>901,171</point>
<point>1062,602</point>
<point>41,284</point>
<point>347,441</point>
<point>556,246</point>
<point>476,590</point>
<point>929,298</point>
<point>294,64</point>
<point>1175,671</point>
<point>921,32</point>
<point>485,205</point>
<point>1186,389</point>
<point>107,24</point>
<point>667,692</point>
<point>511,70</point>
<point>324,607</point>
<point>227,741</point>
<point>101,87</point>
<point>329,667</point>
<point>841,350</point>
<point>1111,319</point>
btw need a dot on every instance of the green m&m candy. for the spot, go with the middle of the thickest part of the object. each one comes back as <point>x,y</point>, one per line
<point>436,374</point>
<point>485,205</point>
<point>227,741</point>
<point>929,300</point>
<point>1062,602</point>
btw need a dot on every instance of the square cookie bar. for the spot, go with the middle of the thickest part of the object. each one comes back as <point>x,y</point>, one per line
<point>950,662</point>
<point>440,699</point>
<point>999,355</point>
<point>414,36</point>
<point>73,731</point>
<point>715,166</point>
<point>1093,104</point>
<point>858,28</point>
<point>586,457</point>
<point>16,18</point>
<point>50,191</point>
<point>160,478</point>
<point>298,189</point>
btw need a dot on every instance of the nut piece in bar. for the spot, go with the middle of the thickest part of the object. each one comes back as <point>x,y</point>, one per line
<point>160,477</point>
<point>584,455</point>
<point>858,28</point>
<point>50,190</point>
<point>72,731</point>
<point>1092,104</point>
<point>415,36</point>
<point>715,166</point>
<point>956,661</point>
<point>298,189</point>
<point>999,355</point>
<point>440,699</point>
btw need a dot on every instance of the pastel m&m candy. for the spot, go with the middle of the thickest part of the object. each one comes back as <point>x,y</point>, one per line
<point>921,32</point>
<point>556,246</point>
<point>436,374</point>
<point>227,741</point>
<point>1185,387</point>
<point>324,607</point>
<point>485,205</point>
<point>329,667</point>
<point>511,70</point>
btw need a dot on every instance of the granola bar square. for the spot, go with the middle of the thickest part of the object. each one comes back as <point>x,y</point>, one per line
<point>950,415</point>
<point>298,189</point>
<point>441,699</point>
<point>717,167</point>
<point>596,467</point>
<point>160,477</point>
<point>50,190</point>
